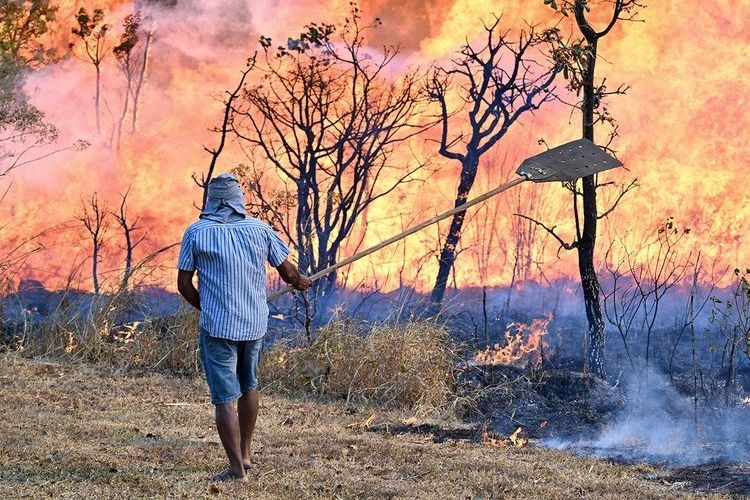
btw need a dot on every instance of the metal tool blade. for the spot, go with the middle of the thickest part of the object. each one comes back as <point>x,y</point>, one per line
<point>567,162</point>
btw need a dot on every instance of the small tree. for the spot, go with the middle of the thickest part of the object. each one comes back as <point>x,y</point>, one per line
<point>327,121</point>
<point>578,61</point>
<point>131,240</point>
<point>22,126</point>
<point>731,315</point>
<point>125,53</point>
<point>641,278</point>
<point>95,219</point>
<point>92,30</point>
<point>496,83</point>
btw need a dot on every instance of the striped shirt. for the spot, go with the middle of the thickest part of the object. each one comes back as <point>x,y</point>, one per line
<point>230,259</point>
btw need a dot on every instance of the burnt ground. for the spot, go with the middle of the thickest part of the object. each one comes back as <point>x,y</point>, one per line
<point>563,405</point>
<point>546,404</point>
<point>715,478</point>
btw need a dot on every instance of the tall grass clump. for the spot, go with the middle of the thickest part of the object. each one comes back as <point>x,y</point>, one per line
<point>408,364</point>
<point>103,331</point>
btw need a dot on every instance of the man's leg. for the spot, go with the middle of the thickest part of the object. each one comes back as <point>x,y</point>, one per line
<point>248,359</point>
<point>247,408</point>
<point>219,358</point>
<point>228,426</point>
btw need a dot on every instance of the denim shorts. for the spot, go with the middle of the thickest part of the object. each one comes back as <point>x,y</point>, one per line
<point>231,366</point>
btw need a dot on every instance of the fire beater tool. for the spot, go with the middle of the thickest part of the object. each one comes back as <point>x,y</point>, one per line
<point>567,162</point>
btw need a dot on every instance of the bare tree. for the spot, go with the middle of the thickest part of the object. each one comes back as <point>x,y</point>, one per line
<point>731,316</point>
<point>92,30</point>
<point>131,240</point>
<point>641,278</point>
<point>327,120</point>
<point>496,83</point>
<point>95,218</point>
<point>578,60</point>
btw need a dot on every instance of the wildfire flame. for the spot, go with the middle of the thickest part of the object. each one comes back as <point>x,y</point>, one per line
<point>667,135</point>
<point>524,345</point>
<point>517,439</point>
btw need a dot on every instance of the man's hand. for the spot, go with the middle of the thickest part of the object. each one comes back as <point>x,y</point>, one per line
<point>290,274</point>
<point>187,289</point>
<point>303,283</point>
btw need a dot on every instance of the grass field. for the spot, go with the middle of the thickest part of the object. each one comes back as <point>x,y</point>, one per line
<point>81,431</point>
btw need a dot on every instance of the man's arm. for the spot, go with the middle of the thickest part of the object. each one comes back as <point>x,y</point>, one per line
<point>290,274</point>
<point>187,289</point>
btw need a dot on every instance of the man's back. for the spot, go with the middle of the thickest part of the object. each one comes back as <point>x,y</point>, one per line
<point>230,259</point>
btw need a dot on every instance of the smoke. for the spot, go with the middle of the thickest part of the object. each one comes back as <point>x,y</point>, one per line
<point>658,424</point>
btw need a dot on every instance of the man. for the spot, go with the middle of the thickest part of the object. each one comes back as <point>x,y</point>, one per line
<point>229,250</point>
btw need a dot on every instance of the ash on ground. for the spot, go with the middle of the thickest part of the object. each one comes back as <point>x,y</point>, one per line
<point>642,419</point>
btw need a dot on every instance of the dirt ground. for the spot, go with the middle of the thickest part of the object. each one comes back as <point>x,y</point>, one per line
<point>75,431</point>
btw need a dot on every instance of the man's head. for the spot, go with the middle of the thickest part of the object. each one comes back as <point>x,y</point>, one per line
<point>224,197</point>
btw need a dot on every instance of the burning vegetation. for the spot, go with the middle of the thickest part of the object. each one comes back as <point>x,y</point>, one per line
<point>525,345</point>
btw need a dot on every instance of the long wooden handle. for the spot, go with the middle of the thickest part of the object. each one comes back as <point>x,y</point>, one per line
<point>400,236</point>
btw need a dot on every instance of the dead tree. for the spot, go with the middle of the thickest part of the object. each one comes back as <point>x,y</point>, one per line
<point>131,240</point>
<point>327,121</point>
<point>578,60</point>
<point>95,218</point>
<point>125,53</point>
<point>496,84</point>
<point>640,279</point>
<point>92,30</point>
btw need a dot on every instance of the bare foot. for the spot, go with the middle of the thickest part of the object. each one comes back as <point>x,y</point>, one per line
<point>228,475</point>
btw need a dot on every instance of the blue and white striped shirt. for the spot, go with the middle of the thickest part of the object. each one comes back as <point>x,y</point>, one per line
<point>230,259</point>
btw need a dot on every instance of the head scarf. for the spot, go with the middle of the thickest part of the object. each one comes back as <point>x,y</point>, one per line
<point>225,201</point>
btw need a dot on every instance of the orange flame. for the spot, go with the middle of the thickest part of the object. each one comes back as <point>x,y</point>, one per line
<point>678,135</point>
<point>524,345</point>
<point>517,439</point>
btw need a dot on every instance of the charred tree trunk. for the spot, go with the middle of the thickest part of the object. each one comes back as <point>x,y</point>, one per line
<point>94,270</point>
<point>587,238</point>
<point>448,253</point>
<point>128,259</point>
<point>590,281</point>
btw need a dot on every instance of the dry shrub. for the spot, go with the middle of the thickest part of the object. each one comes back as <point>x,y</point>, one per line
<point>407,364</point>
<point>98,334</point>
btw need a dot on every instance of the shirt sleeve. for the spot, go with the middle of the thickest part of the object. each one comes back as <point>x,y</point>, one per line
<point>278,251</point>
<point>186,261</point>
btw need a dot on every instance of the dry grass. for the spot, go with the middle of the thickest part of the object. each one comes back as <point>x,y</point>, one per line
<point>99,335</point>
<point>407,364</point>
<point>78,431</point>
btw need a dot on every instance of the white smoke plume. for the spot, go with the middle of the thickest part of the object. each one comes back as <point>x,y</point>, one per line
<point>657,424</point>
